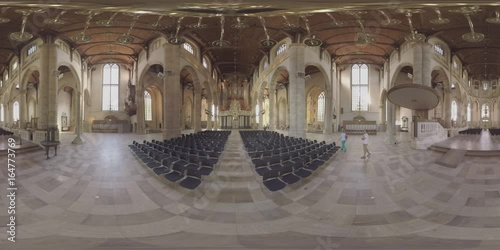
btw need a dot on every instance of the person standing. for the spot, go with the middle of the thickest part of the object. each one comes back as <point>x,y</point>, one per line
<point>343,139</point>
<point>365,138</point>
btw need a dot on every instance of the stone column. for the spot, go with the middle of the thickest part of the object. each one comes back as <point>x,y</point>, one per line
<point>259,113</point>
<point>391,123</point>
<point>297,96</point>
<point>23,109</point>
<point>328,112</point>
<point>43,87</point>
<point>78,129</point>
<point>209,118</point>
<point>272,108</point>
<point>172,92</point>
<point>196,119</point>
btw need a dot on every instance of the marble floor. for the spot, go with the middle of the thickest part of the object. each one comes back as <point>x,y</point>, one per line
<point>482,142</point>
<point>99,196</point>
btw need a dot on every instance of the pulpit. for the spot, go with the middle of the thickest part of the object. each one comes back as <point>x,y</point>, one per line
<point>50,141</point>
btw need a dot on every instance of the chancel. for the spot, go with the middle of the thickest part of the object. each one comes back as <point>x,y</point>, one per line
<point>167,124</point>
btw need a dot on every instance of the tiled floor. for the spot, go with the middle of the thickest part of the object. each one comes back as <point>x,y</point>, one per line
<point>98,196</point>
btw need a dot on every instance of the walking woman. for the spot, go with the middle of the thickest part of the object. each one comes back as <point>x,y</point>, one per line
<point>343,139</point>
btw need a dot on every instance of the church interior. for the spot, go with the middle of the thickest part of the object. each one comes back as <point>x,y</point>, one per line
<point>217,124</point>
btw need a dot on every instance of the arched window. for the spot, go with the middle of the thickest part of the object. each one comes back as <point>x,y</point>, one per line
<point>213,112</point>
<point>265,64</point>
<point>2,113</point>
<point>454,110</point>
<point>469,113</point>
<point>15,111</point>
<point>257,113</point>
<point>148,112</point>
<point>485,85</point>
<point>281,49</point>
<point>204,61</point>
<point>32,49</point>
<point>485,111</point>
<point>359,87</point>
<point>321,107</point>
<point>188,48</point>
<point>110,83</point>
<point>439,49</point>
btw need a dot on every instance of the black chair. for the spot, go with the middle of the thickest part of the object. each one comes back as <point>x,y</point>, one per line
<point>287,175</point>
<point>176,174</point>
<point>300,171</point>
<point>192,180</point>
<point>272,182</point>
<point>161,170</point>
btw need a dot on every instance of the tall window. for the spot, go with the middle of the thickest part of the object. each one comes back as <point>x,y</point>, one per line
<point>469,113</point>
<point>213,112</point>
<point>188,48</point>
<point>359,87</point>
<point>15,111</point>
<point>265,64</point>
<point>485,85</point>
<point>204,62</point>
<point>439,49</point>
<point>14,65</point>
<point>148,107</point>
<point>1,82</point>
<point>281,49</point>
<point>321,107</point>
<point>2,113</point>
<point>454,111</point>
<point>257,113</point>
<point>110,83</point>
<point>32,49</point>
<point>485,111</point>
<point>455,64</point>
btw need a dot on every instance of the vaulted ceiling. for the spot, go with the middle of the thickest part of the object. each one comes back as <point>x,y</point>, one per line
<point>231,32</point>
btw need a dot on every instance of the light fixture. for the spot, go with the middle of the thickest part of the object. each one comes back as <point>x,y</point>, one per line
<point>388,20</point>
<point>440,20</point>
<point>311,40</point>
<point>127,38</point>
<point>83,37</point>
<point>57,19</point>
<point>221,43</point>
<point>288,26</point>
<point>472,37</point>
<point>496,19</point>
<point>176,40</point>
<point>23,36</point>
<point>198,25</point>
<point>414,36</point>
<point>4,20</point>
<point>109,22</point>
<point>239,24</point>
<point>266,43</point>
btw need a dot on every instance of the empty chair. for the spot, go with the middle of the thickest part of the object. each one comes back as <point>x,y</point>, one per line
<point>176,174</point>
<point>271,180</point>
<point>161,170</point>
<point>300,171</point>
<point>192,180</point>
<point>287,175</point>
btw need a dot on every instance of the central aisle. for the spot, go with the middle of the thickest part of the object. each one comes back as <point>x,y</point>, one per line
<point>234,174</point>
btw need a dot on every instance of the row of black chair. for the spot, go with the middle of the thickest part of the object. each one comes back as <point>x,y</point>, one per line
<point>5,132</point>
<point>471,131</point>
<point>287,165</point>
<point>174,165</point>
<point>494,131</point>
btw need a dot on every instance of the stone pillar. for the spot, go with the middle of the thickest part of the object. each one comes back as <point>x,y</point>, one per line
<point>328,112</point>
<point>78,129</point>
<point>272,108</point>
<point>297,96</point>
<point>23,109</point>
<point>196,119</point>
<point>259,113</point>
<point>391,123</point>
<point>217,123</point>
<point>209,118</point>
<point>172,92</point>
